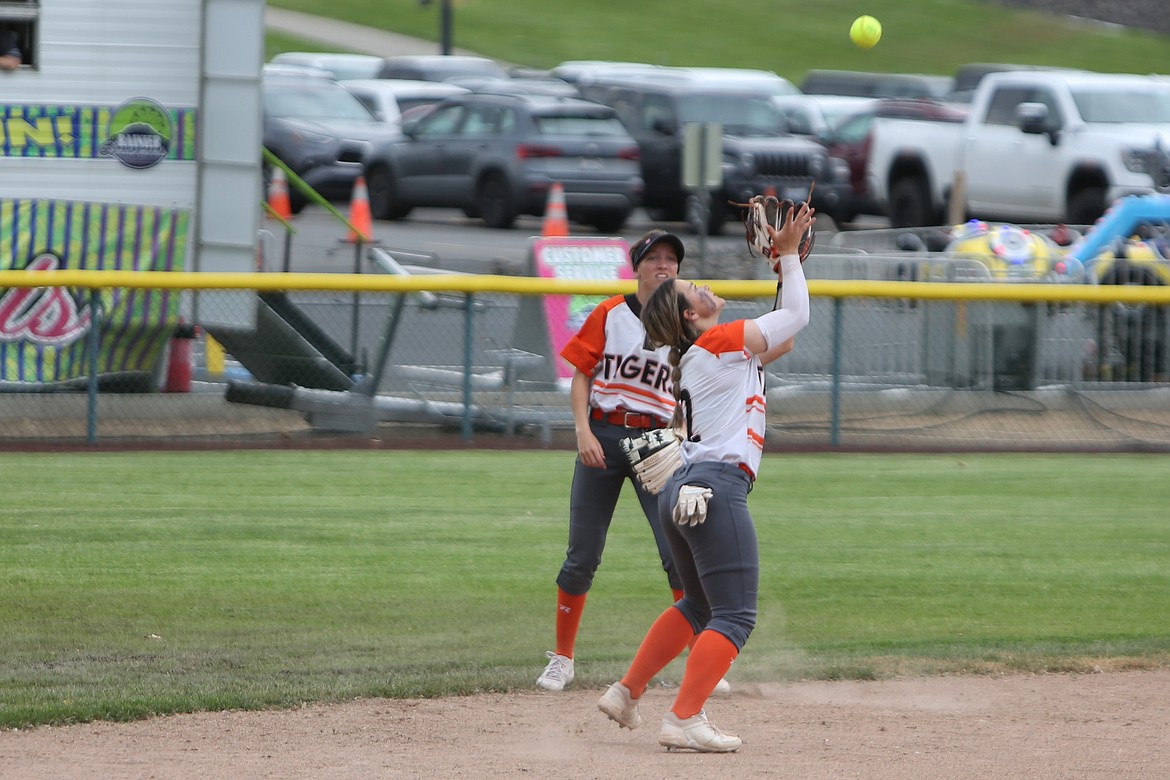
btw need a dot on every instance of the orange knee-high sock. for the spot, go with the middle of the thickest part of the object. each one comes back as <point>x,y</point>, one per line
<point>678,594</point>
<point>709,660</point>
<point>667,637</point>
<point>569,609</point>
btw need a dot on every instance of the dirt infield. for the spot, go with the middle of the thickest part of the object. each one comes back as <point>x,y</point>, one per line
<point>1113,725</point>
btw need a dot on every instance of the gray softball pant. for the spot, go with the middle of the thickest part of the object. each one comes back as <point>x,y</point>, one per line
<point>592,502</point>
<point>719,560</point>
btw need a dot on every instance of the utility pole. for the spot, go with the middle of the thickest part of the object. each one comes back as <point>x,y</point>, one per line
<point>445,24</point>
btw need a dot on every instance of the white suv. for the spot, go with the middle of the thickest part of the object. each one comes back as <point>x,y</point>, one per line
<point>389,99</point>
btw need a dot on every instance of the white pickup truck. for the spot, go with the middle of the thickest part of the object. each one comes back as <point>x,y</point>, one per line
<point>1037,146</point>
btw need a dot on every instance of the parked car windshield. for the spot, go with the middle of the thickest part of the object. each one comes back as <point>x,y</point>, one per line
<point>407,103</point>
<point>1118,105</point>
<point>312,101</point>
<point>740,114</point>
<point>580,125</point>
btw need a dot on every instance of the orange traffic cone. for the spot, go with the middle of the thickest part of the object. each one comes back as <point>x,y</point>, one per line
<point>359,213</point>
<point>278,194</point>
<point>556,218</point>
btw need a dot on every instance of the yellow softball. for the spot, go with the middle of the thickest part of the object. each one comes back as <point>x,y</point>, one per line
<point>866,31</point>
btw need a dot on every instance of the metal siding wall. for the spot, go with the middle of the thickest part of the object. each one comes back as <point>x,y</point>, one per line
<point>230,137</point>
<point>102,53</point>
<point>230,142</point>
<point>103,180</point>
<point>111,50</point>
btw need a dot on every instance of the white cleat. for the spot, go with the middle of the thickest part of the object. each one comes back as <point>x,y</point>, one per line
<point>695,733</point>
<point>620,707</point>
<point>557,674</point>
<point>722,688</point>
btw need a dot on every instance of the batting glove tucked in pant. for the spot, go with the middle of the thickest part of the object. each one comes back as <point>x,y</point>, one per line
<point>691,506</point>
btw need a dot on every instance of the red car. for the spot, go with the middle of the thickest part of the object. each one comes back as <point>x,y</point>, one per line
<point>849,140</point>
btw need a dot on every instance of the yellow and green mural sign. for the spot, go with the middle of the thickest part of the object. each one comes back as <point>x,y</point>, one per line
<point>139,132</point>
<point>43,331</point>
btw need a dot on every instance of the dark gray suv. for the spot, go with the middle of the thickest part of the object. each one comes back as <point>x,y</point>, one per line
<point>497,156</point>
<point>759,155</point>
<point>319,130</point>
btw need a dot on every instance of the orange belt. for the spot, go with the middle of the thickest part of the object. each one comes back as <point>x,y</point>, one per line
<point>627,419</point>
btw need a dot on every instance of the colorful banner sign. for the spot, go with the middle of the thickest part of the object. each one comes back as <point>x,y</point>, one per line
<point>570,257</point>
<point>42,330</point>
<point>139,133</point>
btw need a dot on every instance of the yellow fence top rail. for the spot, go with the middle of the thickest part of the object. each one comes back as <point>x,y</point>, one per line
<point>524,285</point>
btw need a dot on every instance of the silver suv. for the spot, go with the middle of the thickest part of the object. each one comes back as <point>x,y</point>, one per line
<point>497,156</point>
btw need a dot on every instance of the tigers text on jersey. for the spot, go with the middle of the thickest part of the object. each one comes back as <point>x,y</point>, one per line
<point>723,400</point>
<point>611,347</point>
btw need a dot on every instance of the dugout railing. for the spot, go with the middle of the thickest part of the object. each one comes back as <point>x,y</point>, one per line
<point>883,364</point>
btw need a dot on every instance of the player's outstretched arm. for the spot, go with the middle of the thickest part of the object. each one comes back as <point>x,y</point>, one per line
<point>770,335</point>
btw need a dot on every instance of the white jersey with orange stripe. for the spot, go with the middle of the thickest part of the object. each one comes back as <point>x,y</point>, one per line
<point>611,347</point>
<point>723,401</point>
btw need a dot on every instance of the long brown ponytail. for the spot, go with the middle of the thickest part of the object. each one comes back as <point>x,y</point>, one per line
<point>662,316</point>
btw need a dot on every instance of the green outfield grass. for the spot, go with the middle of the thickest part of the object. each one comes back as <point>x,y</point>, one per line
<point>786,36</point>
<point>148,583</point>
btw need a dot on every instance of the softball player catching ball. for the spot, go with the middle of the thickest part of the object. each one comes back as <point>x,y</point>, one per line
<point>718,375</point>
<point>620,388</point>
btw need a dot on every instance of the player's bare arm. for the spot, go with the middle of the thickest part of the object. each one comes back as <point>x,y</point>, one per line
<point>588,447</point>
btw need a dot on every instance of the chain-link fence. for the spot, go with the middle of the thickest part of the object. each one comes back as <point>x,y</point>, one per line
<point>908,365</point>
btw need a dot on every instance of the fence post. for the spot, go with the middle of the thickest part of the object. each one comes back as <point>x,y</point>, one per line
<point>835,412</point>
<point>95,305</point>
<point>468,330</point>
<point>286,260</point>
<point>374,378</point>
<point>354,324</point>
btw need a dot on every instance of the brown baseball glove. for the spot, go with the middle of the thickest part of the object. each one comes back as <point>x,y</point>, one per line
<point>763,210</point>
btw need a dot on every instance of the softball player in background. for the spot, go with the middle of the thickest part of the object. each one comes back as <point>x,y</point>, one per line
<point>620,388</point>
<point>719,383</point>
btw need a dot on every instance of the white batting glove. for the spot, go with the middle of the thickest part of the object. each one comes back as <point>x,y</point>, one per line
<point>691,506</point>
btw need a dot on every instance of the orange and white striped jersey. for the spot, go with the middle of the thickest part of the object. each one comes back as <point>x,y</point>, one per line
<point>611,347</point>
<point>723,401</point>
